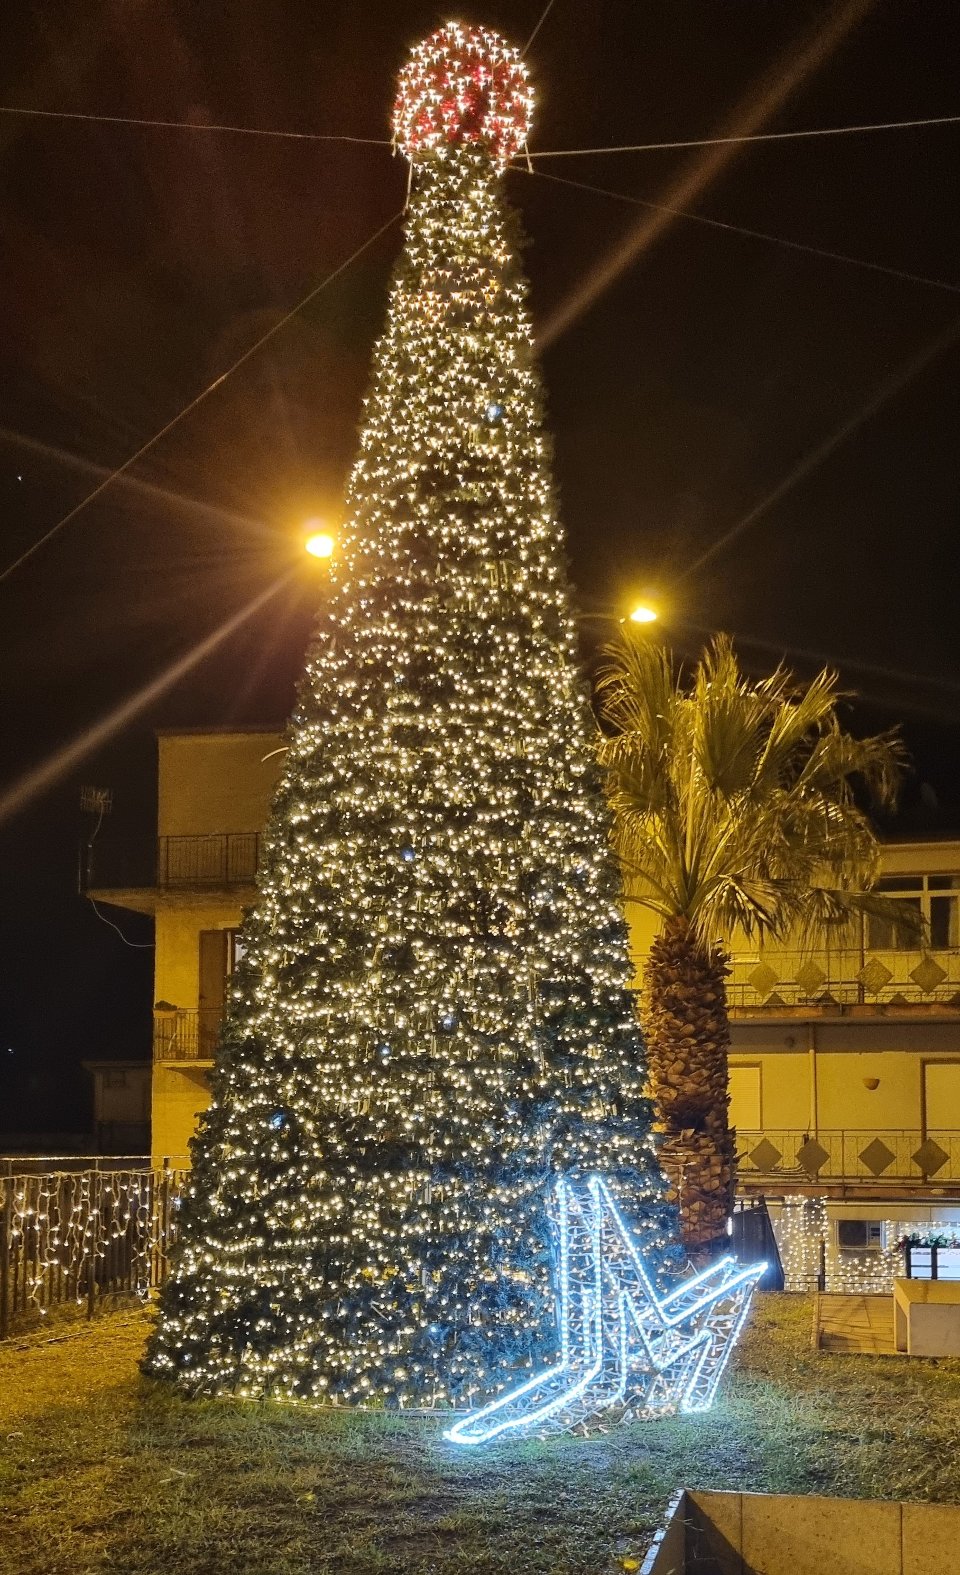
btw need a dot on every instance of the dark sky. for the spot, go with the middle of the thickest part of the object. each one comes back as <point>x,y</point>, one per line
<point>138,263</point>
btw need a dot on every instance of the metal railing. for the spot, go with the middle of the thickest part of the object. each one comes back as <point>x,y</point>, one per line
<point>218,859</point>
<point>854,976</point>
<point>931,1262</point>
<point>78,1237</point>
<point>843,1155</point>
<point>186,1035</point>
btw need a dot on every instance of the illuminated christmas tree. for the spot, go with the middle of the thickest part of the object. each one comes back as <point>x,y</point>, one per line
<point>432,1018</point>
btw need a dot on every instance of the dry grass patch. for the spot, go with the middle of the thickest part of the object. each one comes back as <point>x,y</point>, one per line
<point>102,1470</point>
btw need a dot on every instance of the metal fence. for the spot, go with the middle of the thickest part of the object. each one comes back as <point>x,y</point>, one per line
<point>828,979</point>
<point>871,1154</point>
<point>220,859</point>
<point>79,1237</point>
<point>186,1034</point>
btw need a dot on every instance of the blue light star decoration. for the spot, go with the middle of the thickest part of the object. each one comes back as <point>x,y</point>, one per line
<point>622,1345</point>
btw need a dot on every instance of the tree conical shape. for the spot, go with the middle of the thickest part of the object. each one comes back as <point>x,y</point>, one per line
<point>432,1015</point>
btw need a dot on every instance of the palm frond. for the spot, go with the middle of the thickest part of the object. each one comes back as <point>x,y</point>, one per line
<point>734,799</point>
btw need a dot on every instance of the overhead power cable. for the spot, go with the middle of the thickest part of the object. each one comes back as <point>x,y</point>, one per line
<point>547,153</point>
<point>192,125</point>
<point>543,17</point>
<point>198,400</point>
<point>754,136</point>
<point>757,235</point>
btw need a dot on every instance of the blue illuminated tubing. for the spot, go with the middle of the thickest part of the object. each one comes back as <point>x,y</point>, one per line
<point>688,1392</point>
<point>526,1419</point>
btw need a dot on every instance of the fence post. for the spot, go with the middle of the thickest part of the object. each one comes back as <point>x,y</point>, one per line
<point>95,1190</point>
<point>164,1221</point>
<point>6,1229</point>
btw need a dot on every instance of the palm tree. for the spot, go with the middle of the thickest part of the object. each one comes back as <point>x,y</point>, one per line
<point>734,811</point>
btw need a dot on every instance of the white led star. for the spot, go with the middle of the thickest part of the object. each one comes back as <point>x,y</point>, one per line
<point>620,1343</point>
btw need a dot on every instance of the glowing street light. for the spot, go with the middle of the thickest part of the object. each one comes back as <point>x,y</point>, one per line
<point>320,544</point>
<point>643,613</point>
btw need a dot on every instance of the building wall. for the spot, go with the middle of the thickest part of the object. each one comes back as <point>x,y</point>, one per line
<point>815,1075</point>
<point>180,918</point>
<point>216,782</point>
<point>808,1072</point>
<point>180,1094</point>
<point>209,784</point>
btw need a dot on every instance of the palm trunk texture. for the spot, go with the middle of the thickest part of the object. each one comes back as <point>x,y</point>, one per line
<point>684,1015</point>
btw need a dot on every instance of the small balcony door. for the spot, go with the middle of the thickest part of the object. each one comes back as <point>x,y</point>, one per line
<point>214,971</point>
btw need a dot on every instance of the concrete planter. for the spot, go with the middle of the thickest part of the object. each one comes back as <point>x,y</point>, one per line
<point>780,1534</point>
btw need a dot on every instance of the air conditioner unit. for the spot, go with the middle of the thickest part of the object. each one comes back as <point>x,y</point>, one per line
<point>861,1235</point>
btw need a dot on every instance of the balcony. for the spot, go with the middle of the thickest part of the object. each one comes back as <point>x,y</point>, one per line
<point>218,859</point>
<point>842,981</point>
<point>186,1035</point>
<point>779,1159</point>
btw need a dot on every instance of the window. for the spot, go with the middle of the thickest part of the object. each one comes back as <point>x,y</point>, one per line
<point>933,898</point>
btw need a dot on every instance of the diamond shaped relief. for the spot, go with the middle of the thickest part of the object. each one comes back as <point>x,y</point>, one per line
<point>876,1156</point>
<point>812,1156</point>
<point>930,1157</point>
<point>928,974</point>
<point>810,976</point>
<point>763,978</point>
<point>874,975</point>
<point>766,1156</point>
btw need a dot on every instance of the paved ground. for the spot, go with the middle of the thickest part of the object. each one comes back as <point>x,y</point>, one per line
<point>862,1324</point>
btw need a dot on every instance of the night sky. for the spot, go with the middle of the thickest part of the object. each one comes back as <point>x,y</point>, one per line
<point>138,263</point>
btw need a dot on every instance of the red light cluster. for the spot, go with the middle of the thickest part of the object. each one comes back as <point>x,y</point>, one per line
<point>463,85</point>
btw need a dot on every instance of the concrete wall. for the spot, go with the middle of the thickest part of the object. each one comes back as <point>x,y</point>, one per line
<point>780,1534</point>
<point>180,1094</point>
<point>216,782</point>
<point>179,920</point>
<point>816,1074</point>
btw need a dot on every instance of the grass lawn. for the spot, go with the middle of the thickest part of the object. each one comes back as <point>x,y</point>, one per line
<point>101,1470</point>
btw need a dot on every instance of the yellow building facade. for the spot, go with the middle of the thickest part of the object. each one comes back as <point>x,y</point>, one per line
<point>845,1059</point>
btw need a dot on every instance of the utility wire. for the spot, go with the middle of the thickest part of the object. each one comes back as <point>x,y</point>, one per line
<point>137,946</point>
<point>757,235</point>
<point>811,461</point>
<point>191,125</point>
<point>185,411</point>
<point>754,136</point>
<point>543,17</point>
<point>549,153</point>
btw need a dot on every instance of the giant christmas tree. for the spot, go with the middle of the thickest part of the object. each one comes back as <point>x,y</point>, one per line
<point>431,1020</point>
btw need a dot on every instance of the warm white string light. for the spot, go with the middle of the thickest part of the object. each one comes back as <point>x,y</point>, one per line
<point>432,1017</point>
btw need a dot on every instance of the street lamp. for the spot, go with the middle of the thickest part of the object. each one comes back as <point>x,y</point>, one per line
<point>319,543</point>
<point>643,613</point>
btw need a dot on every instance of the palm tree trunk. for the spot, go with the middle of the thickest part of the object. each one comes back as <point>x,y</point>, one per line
<point>684,1015</point>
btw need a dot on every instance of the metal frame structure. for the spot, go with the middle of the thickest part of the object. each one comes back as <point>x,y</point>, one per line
<point>622,1345</point>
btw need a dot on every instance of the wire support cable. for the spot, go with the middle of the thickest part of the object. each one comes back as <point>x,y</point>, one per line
<point>757,235</point>
<point>543,17</point>
<point>186,410</point>
<point>192,125</point>
<point>753,136</point>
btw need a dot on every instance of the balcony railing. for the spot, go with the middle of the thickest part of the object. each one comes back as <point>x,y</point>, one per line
<point>829,980</point>
<point>218,859</point>
<point>780,1157</point>
<point>185,1035</point>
